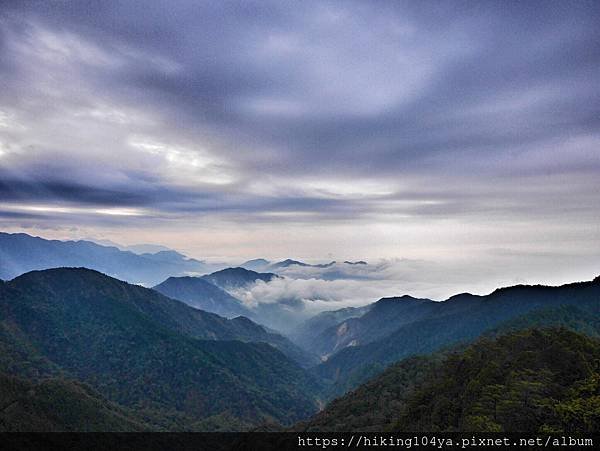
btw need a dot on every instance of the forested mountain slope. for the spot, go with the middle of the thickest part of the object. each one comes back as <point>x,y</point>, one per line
<point>459,319</point>
<point>143,350</point>
<point>535,380</point>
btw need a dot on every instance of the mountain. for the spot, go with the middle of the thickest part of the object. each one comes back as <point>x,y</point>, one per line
<point>286,263</point>
<point>169,256</point>
<point>537,380</point>
<point>236,278</point>
<point>532,381</point>
<point>145,248</point>
<point>21,253</point>
<point>289,262</point>
<point>315,332</point>
<point>379,320</point>
<point>333,270</point>
<point>145,351</point>
<point>60,405</point>
<point>262,265</point>
<point>282,315</point>
<point>201,294</point>
<point>258,264</point>
<point>376,404</point>
<point>427,326</point>
<point>135,248</point>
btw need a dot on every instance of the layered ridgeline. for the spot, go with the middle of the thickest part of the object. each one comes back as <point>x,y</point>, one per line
<point>204,295</point>
<point>260,264</point>
<point>280,315</point>
<point>537,380</point>
<point>395,328</point>
<point>332,270</point>
<point>201,294</point>
<point>21,253</point>
<point>232,279</point>
<point>148,353</point>
<point>212,292</point>
<point>216,292</point>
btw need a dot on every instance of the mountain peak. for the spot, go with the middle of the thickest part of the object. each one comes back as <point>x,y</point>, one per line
<point>62,271</point>
<point>403,298</point>
<point>290,262</point>
<point>234,270</point>
<point>166,253</point>
<point>234,278</point>
<point>202,294</point>
<point>116,337</point>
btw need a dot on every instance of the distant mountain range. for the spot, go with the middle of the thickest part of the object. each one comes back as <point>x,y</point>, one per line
<point>258,264</point>
<point>80,350</point>
<point>135,248</point>
<point>262,265</point>
<point>21,253</point>
<point>146,352</point>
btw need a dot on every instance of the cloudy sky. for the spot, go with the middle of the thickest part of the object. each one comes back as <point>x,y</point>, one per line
<point>464,132</point>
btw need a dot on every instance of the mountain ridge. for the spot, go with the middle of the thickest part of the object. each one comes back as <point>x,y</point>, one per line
<point>202,294</point>
<point>235,278</point>
<point>145,351</point>
<point>535,379</point>
<point>21,253</point>
<point>435,324</point>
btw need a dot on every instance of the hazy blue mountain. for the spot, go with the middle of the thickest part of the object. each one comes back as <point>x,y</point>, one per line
<point>202,294</point>
<point>323,265</point>
<point>21,253</point>
<point>144,351</point>
<point>289,262</point>
<point>286,263</point>
<point>135,248</point>
<point>236,278</point>
<point>326,271</point>
<point>146,248</point>
<point>170,256</point>
<point>258,264</point>
<point>282,315</point>
<point>432,325</point>
<point>334,269</point>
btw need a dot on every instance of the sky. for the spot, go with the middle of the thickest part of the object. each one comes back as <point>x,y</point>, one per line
<point>463,134</point>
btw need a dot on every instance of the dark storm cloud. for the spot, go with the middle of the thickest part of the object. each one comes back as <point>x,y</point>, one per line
<point>408,94</point>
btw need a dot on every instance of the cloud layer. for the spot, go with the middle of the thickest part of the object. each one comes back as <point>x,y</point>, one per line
<point>416,129</point>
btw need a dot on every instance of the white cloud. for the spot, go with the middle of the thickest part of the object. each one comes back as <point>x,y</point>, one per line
<point>342,285</point>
